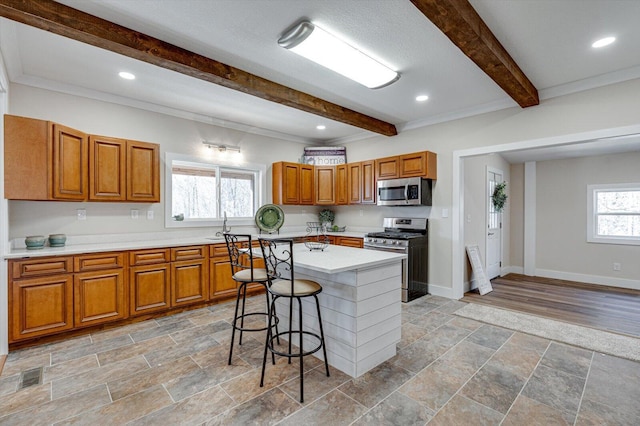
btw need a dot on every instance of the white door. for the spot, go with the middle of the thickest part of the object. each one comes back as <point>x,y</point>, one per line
<point>494,227</point>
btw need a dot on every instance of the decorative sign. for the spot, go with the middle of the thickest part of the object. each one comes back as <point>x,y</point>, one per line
<point>325,155</point>
<point>484,285</point>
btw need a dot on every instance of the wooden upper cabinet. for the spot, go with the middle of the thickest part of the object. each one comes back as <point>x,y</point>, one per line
<point>368,194</point>
<point>292,183</point>
<point>387,168</point>
<point>419,164</point>
<point>307,179</point>
<point>354,184</point>
<point>143,172</point>
<point>325,185</point>
<point>44,161</point>
<point>107,169</point>
<point>342,182</point>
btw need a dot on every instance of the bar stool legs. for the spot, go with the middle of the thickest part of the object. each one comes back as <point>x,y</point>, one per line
<point>290,332</point>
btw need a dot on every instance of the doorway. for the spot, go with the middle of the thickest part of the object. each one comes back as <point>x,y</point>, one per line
<point>493,237</point>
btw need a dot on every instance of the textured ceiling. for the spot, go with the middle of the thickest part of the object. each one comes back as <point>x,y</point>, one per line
<point>549,39</point>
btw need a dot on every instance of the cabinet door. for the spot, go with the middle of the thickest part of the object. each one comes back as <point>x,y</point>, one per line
<point>419,164</point>
<point>107,169</point>
<point>306,184</point>
<point>189,282</point>
<point>355,182</point>
<point>325,185</point>
<point>285,183</point>
<point>149,289</point>
<point>99,297</point>
<point>143,172</point>
<point>40,306</point>
<point>387,168</point>
<point>368,194</point>
<point>221,281</point>
<point>70,164</point>
<point>342,191</point>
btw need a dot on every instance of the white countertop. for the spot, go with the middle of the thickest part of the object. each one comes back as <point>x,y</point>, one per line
<point>105,246</point>
<point>334,259</point>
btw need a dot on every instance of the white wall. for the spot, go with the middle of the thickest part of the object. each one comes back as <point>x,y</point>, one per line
<point>562,250</point>
<point>102,118</point>
<point>589,111</point>
<point>602,108</point>
<point>516,218</point>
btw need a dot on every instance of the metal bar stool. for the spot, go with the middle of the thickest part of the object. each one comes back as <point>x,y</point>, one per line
<point>244,273</point>
<point>281,282</point>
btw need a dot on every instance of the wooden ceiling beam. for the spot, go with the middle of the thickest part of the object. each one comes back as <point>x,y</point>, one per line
<point>72,23</point>
<point>459,21</point>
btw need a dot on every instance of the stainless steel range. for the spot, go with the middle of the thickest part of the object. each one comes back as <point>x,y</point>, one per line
<point>409,236</point>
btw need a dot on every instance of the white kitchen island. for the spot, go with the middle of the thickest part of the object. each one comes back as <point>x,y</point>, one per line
<point>360,304</point>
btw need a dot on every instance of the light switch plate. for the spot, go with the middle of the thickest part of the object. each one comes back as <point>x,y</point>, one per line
<point>149,214</point>
<point>134,214</point>
<point>445,212</point>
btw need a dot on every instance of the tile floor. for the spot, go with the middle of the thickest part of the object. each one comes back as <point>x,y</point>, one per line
<point>448,370</point>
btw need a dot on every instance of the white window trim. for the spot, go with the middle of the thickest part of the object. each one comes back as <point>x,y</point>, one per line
<point>592,236</point>
<point>260,190</point>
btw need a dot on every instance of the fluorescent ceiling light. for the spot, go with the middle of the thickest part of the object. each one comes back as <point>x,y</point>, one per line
<point>314,43</point>
<point>603,42</point>
<point>126,75</point>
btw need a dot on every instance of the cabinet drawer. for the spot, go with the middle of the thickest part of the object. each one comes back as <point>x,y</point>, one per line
<point>148,257</point>
<point>96,262</point>
<point>189,253</point>
<point>42,266</point>
<point>218,250</point>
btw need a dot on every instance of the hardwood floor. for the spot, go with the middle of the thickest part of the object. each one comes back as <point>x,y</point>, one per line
<point>605,308</point>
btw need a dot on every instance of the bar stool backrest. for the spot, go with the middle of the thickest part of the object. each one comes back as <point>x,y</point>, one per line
<point>278,259</point>
<point>240,256</point>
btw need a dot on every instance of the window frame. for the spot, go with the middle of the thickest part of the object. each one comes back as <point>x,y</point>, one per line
<point>259,189</point>
<point>592,234</point>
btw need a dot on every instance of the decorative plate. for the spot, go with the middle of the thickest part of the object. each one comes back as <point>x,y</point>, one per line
<point>269,218</point>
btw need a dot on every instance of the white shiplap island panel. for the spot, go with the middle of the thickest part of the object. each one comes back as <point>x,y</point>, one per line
<point>360,304</point>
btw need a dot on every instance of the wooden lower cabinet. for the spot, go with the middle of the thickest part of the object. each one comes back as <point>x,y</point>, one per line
<point>349,242</point>
<point>41,306</point>
<point>99,297</point>
<point>189,282</point>
<point>220,278</point>
<point>149,288</point>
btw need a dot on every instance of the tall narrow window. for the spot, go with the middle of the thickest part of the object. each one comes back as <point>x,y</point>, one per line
<point>614,214</point>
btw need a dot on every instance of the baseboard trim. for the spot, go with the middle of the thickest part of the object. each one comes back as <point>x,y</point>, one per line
<point>589,279</point>
<point>512,270</point>
<point>436,290</point>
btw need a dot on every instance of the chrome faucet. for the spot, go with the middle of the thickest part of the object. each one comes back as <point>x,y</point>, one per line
<point>225,230</point>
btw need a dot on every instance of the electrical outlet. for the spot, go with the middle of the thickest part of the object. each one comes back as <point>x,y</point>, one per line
<point>134,214</point>
<point>149,214</point>
<point>361,212</point>
<point>445,212</point>
<point>81,214</point>
<point>617,266</point>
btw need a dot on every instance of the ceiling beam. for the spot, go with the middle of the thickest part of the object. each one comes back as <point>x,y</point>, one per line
<point>66,21</point>
<point>459,21</point>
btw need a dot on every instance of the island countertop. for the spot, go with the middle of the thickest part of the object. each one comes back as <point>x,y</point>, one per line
<point>334,259</point>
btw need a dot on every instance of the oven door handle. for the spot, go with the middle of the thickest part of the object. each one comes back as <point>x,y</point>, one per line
<point>386,248</point>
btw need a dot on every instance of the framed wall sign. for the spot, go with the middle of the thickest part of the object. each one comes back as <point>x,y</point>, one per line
<point>479,275</point>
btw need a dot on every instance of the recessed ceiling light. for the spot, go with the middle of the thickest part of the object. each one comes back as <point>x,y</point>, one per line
<point>603,42</point>
<point>321,127</point>
<point>422,98</point>
<point>126,75</point>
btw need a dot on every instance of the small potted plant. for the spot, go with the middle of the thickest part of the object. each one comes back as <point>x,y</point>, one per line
<point>326,217</point>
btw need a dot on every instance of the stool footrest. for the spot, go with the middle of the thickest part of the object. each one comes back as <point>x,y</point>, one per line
<point>240,318</point>
<point>294,354</point>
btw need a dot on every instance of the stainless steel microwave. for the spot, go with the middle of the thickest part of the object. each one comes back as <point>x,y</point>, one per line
<point>404,192</point>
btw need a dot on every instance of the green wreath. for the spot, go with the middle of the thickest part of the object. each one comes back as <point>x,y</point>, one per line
<point>499,197</point>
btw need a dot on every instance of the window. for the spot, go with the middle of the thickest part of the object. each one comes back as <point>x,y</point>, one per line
<point>614,213</point>
<point>202,193</point>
